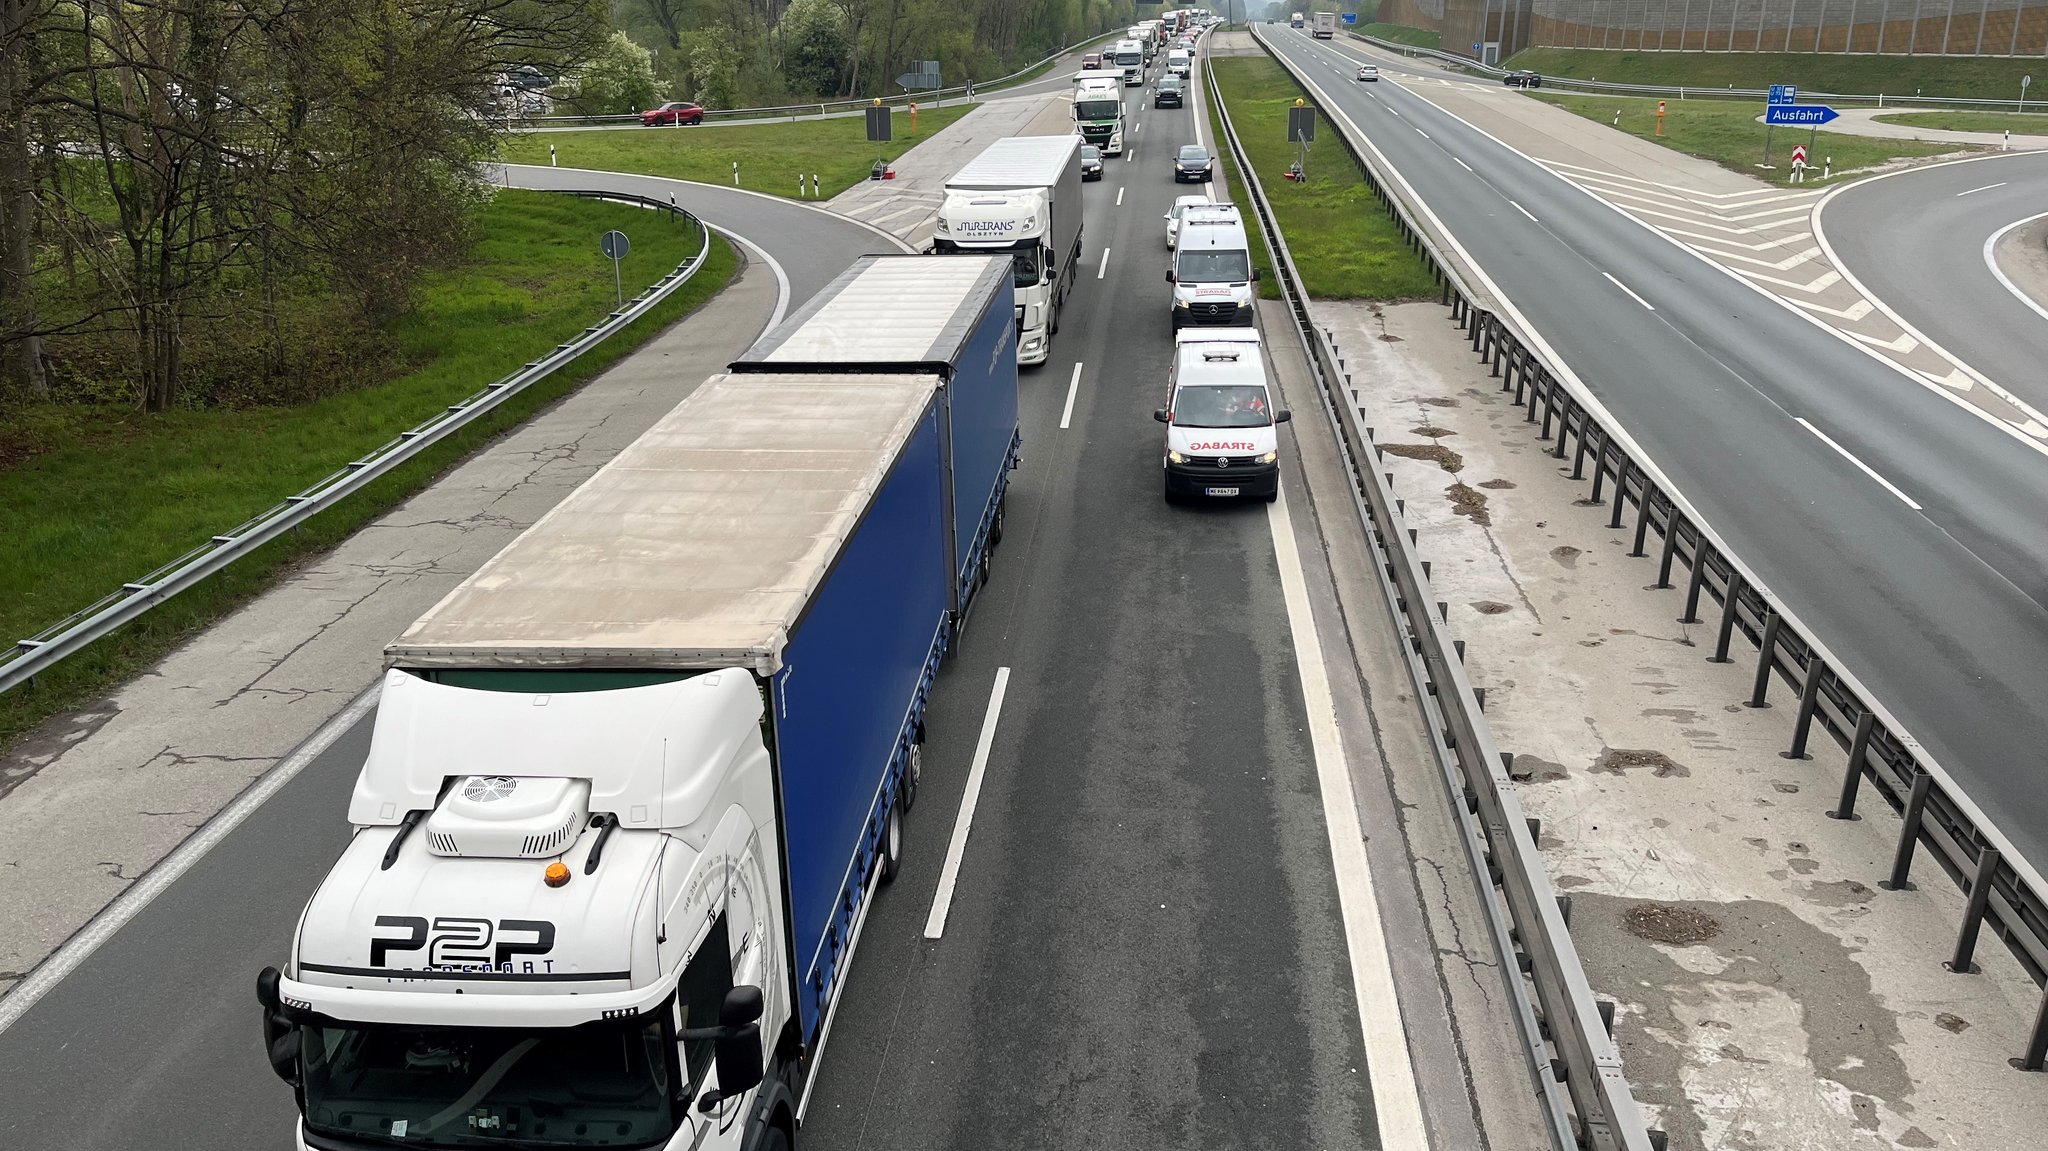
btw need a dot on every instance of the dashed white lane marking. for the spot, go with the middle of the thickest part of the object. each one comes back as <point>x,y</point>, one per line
<point>1866,469</point>
<point>1462,164</point>
<point>1104,269</point>
<point>1073,388</point>
<point>942,900</point>
<point>1119,197</point>
<point>1631,294</point>
<point>1525,212</point>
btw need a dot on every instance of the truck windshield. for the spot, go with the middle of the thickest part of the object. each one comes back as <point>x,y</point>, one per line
<point>1024,268</point>
<point>1097,109</point>
<point>1222,406</point>
<point>602,1084</point>
<point>1222,266</point>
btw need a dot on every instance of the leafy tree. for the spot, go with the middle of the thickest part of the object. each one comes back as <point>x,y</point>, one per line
<point>814,47</point>
<point>715,64</point>
<point>620,78</point>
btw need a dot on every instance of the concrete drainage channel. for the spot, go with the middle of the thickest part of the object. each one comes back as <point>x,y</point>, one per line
<point>1566,1032</point>
<point>38,653</point>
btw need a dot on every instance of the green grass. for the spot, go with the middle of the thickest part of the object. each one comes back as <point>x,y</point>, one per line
<point>2018,123</point>
<point>1402,34</point>
<point>1343,243</point>
<point>1726,132</point>
<point>114,493</point>
<point>770,155</point>
<point>1978,77</point>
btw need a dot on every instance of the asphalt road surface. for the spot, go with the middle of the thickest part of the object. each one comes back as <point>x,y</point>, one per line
<point>1144,949</point>
<point>1916,242</point>
<point>1939,606</point>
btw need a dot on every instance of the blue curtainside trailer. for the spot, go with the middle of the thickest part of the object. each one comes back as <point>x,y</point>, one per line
<point>952,319</point>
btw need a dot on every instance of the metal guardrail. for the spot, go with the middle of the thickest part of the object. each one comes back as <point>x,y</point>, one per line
<point>1688,91</point>
<point>30,657</point>
<point>2004,891</point>
<point>1573,1062</point>
<point>825,108</point>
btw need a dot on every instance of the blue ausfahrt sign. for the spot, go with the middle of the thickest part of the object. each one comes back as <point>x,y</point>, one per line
<point>1799,115</point>
<point>1351,17</point>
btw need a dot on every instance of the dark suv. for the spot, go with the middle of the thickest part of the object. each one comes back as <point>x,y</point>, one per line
<point>1522,79</point>
<point>1169,93</point>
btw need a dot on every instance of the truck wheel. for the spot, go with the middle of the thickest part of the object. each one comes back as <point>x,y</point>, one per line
<point>1052,326</point>
<point>892,842</point>
<point>913,771</point>
<point>1274,495</point>
<point>777,1140</point>
<point>995,530</point>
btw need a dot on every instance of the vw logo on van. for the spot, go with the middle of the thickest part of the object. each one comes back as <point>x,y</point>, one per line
<point>1222,461</point>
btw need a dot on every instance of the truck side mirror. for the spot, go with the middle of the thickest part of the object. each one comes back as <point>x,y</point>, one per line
<point>1160,414</point>
<point>1283,417</point>
<point>281,1040</point>
<point>1169,275</point>
<point>738,1050</point>
<point>1255,273</point>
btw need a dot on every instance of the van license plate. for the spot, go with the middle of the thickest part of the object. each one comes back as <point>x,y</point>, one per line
<point>1220,491</point>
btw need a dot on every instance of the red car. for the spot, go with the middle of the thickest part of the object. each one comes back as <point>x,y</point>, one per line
<point>1092,60</point>
<point>671,113</point>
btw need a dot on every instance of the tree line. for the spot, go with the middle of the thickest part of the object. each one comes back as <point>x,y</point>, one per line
<point>240,189</point>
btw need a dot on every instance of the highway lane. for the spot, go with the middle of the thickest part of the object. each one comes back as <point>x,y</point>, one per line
<point>1939,609</point>
<point>1145,946</point>
<point>1915,241</point>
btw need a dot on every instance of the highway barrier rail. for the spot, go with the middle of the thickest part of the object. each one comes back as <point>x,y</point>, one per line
<point>2004,891</point>
<point>1690,91</point>
<point>30,657</point>
<point>1566,1032</point>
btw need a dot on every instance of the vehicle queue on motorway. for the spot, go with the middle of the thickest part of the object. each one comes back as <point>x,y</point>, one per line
<point>633,783</point>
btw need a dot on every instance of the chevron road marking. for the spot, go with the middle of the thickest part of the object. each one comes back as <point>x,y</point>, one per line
<point>1899,346</point>
<point>1818,284</point>
<point>1852,313</point>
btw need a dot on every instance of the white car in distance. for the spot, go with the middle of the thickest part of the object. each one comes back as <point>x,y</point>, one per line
<point>1180,207</point>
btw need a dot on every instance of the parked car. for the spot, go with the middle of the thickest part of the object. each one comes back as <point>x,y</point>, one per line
<point>1522,79</point>
<point>1180,208</point>
<point>1192,162</point>
<point>1170,92</point>
<point>672,113</point>
<point>1091,162</point>
<point>1368,72</point>
<point>1092,60</point>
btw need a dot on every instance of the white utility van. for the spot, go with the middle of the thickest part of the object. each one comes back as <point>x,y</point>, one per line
<point>1222,426</point>
<point>1212,269</point>
<point>1177,62</point>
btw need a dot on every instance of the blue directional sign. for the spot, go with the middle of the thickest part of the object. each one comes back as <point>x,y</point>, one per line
<point>1351,17</point>
<point>1783,94</point>
<point>1799,115</point>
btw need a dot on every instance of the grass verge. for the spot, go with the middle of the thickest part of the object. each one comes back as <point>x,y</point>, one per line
<point>2018,123</point>
<point>1726,132</point>
<point>1343,243</point>
<point>770,155</point>
<point>118,493</point>
<point>1402,34</point>
<point>1978,77</point>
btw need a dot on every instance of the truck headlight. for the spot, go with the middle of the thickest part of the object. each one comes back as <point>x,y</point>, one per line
<point>1270,458</point>
<point>1175,457</point>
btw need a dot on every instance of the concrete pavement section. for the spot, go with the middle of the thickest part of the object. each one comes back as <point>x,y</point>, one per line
<point>92,799</point>
<point>1771,998</point>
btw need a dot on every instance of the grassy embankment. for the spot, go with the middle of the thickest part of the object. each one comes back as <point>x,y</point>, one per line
<point>1727,133</point>
<point>770,155</point>
<point>110,493</point>
<point>1341,238</point>
<point>1975,77</point>
<point>2018,123</point>
<point>1402,34</point>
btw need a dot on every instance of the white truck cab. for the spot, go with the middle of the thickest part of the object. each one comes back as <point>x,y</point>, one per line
<point>1212,271</point>
<point>1129,58</point>
<point>1222,426</point>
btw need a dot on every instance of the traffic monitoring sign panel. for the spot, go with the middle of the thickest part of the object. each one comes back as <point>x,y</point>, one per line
<point>1799,115</point>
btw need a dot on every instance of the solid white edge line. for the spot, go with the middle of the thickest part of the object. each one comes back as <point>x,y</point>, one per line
<point>942,899</point>
<point>808,206</point>
<point>1631,293</point>
<point>1866,469</point>
<point>1104,269</point>
<point>1397,1102</point>
<point>1073,388</point>
<point>774,265</point>
<point>1985,188</point>
<point>45,976</point>
<point>1991,261</point>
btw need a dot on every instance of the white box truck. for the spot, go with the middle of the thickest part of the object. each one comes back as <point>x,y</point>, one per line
<point>1099,111</point>
<point>1021,197</point>
<point>1326,26</point>
<point>633,784</point>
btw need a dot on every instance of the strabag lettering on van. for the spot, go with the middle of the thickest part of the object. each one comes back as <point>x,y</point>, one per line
<point>1219,446</point>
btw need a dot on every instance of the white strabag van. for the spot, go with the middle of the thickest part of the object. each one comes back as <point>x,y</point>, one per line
<point>1222,426</point>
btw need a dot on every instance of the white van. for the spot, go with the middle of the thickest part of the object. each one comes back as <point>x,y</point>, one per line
<point>1222,426</point>
<point>1177,62</point>
<point>1212,269</point>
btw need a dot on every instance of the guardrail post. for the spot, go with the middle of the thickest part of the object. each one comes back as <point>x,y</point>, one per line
<point>1643,522</point>
<point>1767,652</point>
<point>2037,1043</point>
<point>1698,580</point>
<point>1809,698</point>
<point>1973,914</point>
<point>1620,488</point>
<point>1669,553</point>
<point>1728,605</point>
<point>1852,776</point>
<point>1909,832</point>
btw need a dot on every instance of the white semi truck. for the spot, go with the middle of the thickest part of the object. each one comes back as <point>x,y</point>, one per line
<point>1099,111</point>
<point>633,785</point>
<point>1021,197</point>
<point>1128,57</point>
